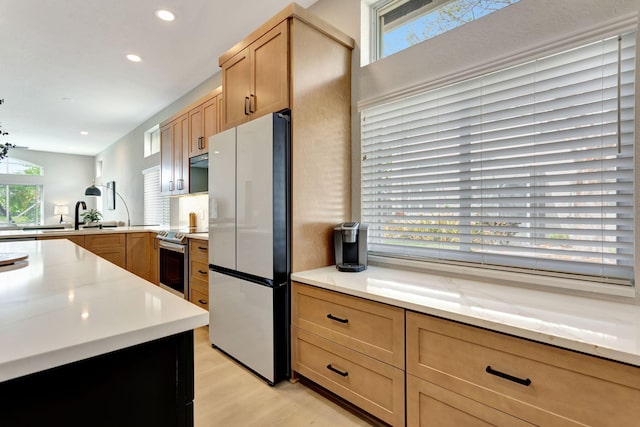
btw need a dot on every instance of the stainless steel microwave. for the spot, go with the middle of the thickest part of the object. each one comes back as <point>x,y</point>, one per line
<point>199,173</point>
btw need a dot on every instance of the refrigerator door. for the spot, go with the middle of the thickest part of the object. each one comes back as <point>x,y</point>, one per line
<point>242,322</point>
<point>222,199</point>
<point>255,197</point>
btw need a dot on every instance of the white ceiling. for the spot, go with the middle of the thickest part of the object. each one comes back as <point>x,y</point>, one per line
<point>63,68</point>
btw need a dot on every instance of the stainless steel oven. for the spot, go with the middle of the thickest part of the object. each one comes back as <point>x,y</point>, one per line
<point>173,262</point>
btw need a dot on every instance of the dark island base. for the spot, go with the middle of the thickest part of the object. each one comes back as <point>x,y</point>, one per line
<point>149,384</point>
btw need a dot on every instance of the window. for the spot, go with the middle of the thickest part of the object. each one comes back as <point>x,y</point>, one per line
<point>398,24</point>
<point>156,206</point>
<point>20,192</point>
<point>152,141</point>
<point>530,167</point>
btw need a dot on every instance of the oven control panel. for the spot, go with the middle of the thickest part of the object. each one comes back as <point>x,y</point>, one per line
<point>172,236</point>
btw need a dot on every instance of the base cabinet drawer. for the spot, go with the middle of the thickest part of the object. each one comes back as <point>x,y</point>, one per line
<point>532,381</point>
<point>374,386</point>
<point>369,327</point>
<point>429,405</point>
<point>199,298</point>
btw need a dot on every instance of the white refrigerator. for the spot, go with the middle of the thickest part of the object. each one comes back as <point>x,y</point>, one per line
<point>249,259</point>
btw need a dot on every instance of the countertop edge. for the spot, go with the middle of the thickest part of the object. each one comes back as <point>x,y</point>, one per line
<point>56,358</point>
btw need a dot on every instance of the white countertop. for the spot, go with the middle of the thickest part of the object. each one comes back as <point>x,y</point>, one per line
<point>52,232</point>
<point>68,304</point>
<point>597,327</point>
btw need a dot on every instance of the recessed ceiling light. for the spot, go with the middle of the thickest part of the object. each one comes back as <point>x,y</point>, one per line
<point>134,58</point>
<point>84,132</point>
<point>165,15</point>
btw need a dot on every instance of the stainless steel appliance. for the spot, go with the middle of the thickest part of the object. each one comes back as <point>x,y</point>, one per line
<point>173,262</point>
<point>249,255</point>
<point>350,240</point>
<point>198,173</point>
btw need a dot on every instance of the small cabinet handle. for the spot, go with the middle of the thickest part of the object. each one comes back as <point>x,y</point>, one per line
<point>170,185</point>
<point>337,371</point>
<point>180,184</point>
<point>246,98</point>
<point>525,382</point>
<point>337,319</point>
<point>202,248</point>
<point>251,103</point>
<point>202,272</point>
<point>201,301</point>
<point>200,142</point>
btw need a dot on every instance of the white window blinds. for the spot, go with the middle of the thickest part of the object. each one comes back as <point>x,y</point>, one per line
<point>529,167</point>
<point>156,206</point>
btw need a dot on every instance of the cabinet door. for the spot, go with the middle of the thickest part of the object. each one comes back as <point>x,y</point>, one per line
<point>139,255</point>
<point>236,77</point>
<point>210,122</point>
<point>270,71</point>
<point>195,131</point>
<point>429,405</point>
<point>166,158</point>
<point>181,155</point>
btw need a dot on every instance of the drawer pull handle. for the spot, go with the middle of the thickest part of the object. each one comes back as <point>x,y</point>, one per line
<point>202,248</point>
<point>337,371</point>
<point>337,319</point>
<point>202,272</point>
<point>525,382</point>
<point>203,302</point>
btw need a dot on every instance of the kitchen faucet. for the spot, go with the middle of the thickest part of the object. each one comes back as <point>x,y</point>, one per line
<point>77,217</point>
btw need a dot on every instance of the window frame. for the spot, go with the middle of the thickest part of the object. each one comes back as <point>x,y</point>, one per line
<point>375,9</point>
<point>9,179</point>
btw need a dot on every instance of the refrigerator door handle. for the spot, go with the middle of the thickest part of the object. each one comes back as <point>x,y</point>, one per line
<point>243,276</point>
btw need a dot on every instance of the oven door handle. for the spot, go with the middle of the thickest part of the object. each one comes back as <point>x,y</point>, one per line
<point>176,247</point>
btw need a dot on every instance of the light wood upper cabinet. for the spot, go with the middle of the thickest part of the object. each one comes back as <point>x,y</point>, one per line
<point>174,163</point>
<point>204,121</point>
<point>256,80</point>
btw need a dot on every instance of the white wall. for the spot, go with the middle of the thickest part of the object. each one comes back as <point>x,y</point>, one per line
<point>124,161</point>
<point>65,179</point>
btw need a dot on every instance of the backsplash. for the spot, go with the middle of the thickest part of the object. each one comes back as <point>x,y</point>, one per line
<point>182,206</point>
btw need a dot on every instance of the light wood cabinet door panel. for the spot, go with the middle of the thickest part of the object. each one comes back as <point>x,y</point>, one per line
<point>522,377</point>
<point>236,81</point>
<point>374,386</point>
<point>270,72</point>
<point>369,327</point>
<point>429,405</point>
<point>195,131</point>
<point>140,255</point>
<point>166,158</point>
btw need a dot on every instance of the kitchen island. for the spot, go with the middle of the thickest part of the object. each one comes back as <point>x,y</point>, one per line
<point>84,342</point>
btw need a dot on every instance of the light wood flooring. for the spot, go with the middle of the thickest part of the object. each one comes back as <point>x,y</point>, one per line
<point>228,395</point>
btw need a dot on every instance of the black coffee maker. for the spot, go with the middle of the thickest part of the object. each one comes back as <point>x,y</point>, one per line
<point>350,240</point>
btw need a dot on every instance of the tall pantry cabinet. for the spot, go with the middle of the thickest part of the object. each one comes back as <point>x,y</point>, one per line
<point>297,61</point>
